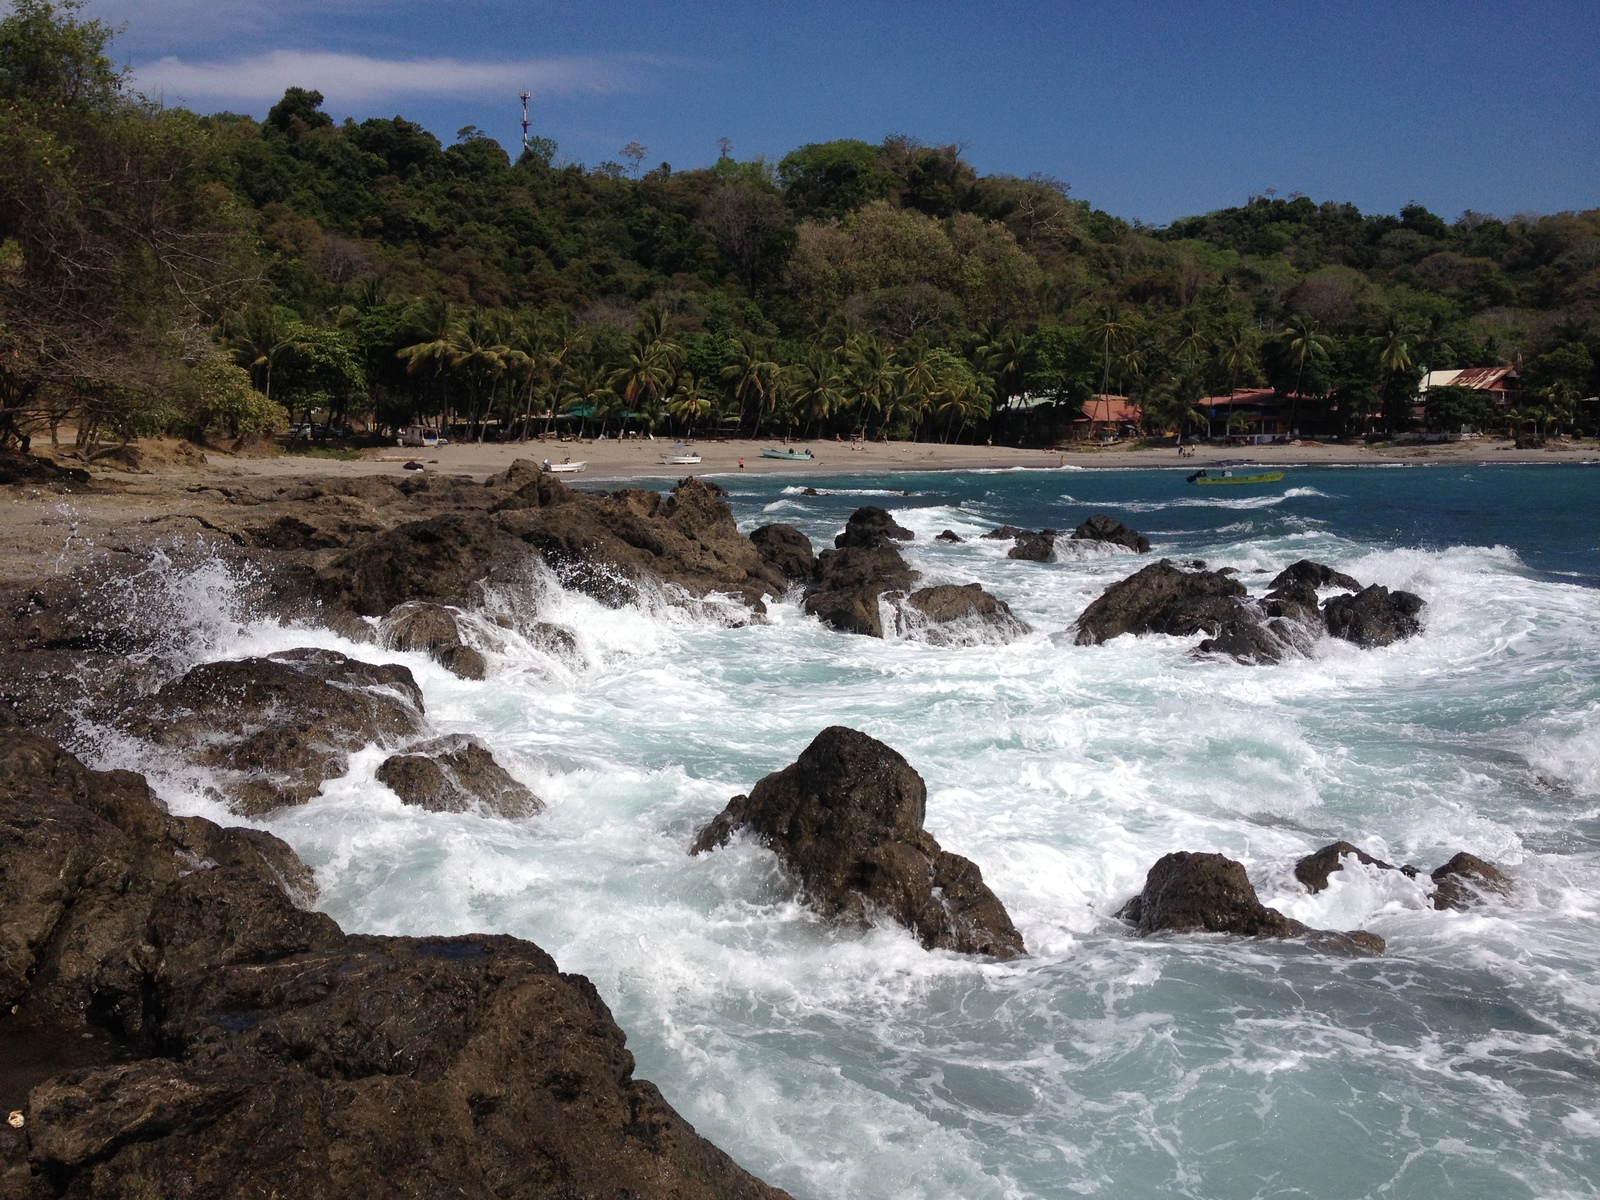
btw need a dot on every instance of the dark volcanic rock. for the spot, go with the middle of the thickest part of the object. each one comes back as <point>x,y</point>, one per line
<point>871,526</point>
<point>848,582</point>
<point>266,1053</point>
<point>609,544</point>
<point>434,630</point>
<point>454,774</point>
<point>1246,638</point>
<point>949,615</point>
<point>1313,575</point>
<point>787,550</point>
<point>1004,533</point>
<point>846,819</point>
<point>1163,598</point>
<point>439,559</point>
<point>275,728</point>
<point>1373,617</point>
<point>1187,892</point>
<point>1034,547</point>
<point>1465,880</point>
<point>16,467</point>
<point>1101,528</point>
<point>949,535</point>
<point>1313,870</point>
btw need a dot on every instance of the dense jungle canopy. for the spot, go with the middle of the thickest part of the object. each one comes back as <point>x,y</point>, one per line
<point>217,276</point>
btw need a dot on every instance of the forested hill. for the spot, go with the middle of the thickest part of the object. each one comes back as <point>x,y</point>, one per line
<point>162,268</point>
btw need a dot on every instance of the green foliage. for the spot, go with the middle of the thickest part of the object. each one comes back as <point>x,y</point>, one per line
<point>1449,409</point>
<point>216,396</point>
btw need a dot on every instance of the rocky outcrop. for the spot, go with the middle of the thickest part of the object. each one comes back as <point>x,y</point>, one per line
<point>1313,870</point>
<point>1163,598</point>
<point>455,774</point>
<point>16,467</point>
<point>871,526</point>
<point>1374,616</point>
<point>241,1038</point>
<point>948,535</point>
<point>439,559</point>
<point>848,583</point>
<point>1034,547</point>
<point>1101,528</point>
<point>951,615</point>
<point>846,820</point>
<point>1187,892</point>
<point>608,545</point>
<point>786,550</point>
<point>432,629</point>
<point>1467,880</point>
<point>273,730</point>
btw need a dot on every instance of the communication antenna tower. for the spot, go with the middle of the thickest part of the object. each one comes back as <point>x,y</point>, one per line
<point>525,96</point>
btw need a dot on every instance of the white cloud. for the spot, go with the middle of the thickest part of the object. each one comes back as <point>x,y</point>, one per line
<point>357,80</point>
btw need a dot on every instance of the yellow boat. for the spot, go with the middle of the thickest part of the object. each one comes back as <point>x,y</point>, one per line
<point>1226,475</point>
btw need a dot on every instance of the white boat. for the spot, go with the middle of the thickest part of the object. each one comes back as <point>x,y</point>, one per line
<point>565,468</point>
<point>682,455</point>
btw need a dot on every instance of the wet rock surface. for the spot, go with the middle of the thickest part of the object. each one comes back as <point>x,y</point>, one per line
<point>1313,870</point>
<point>274,729</point>
<point>844,593</point>
<point>1163,598</point>
<point>455,774</point>
<point>438,559</point>
<point>257,1042</point>
<point>846,820</point>
<point>952,615</point>
<point>1034,547</point>
<point>1374,616</point>
<point>871,526</point>
<point>786,550</point>
<point>1188,892</point>
<point>435,630</point>
<point>948,535</point>
<point>1467,880</point>
<point>1101,528</point>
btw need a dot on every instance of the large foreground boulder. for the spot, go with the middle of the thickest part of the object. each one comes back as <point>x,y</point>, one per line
<point>240,1045</point>
<point>844,594</point>
<point>787,550</point>
<point>455,774</point>
<point>1101,528</point>
<point>439,559</point>
<point>846,820</point>
<point>1163,598</point>
<point>872,526</point>
<point>1188,892</point>
<point>1374,616</point>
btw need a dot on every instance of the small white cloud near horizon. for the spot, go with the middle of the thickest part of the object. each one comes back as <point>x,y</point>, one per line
<point>356,80</point>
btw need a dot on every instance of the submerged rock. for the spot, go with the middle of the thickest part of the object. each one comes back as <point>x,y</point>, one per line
<point>846,819</point>
<point>1313,870</point>
<point>1163,598</point>
<point>1188,892</point>
<point>274,729</point>
<point>949,615</point>
<point>1002,534</point>
<point>1101,528</point>
<point>254,1043</point>
<point>787,550</point>
<point>1466,880</point>
<point>454,774</point>
<point>1374,616</point>
<point>948,535</point>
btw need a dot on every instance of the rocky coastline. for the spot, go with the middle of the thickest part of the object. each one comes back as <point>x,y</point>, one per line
<point>190,1017</point>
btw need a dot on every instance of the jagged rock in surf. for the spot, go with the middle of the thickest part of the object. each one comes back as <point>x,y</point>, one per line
<point>439,559</point>
<point>273,730</point>
<point>193,1027</point>
<point>1163,598</point>
<point>1034,547</point>
<point>846,819</point>
<point>609,544</point>
<point>1248,639</point>
<point>951,615</point>
<point>432,629</point>
<point>1002,534</point>
<point>1313,870</point>
<point>1187,892</point>
<point>455,774</point>
<point>844,593</point>
<point>1374,616</point>
<point>1314,575</point>
<point>1467,880</point>
<point>787,550</point>
<point>870,526</point>
<point>1101,528</point>
<point>948,535</point>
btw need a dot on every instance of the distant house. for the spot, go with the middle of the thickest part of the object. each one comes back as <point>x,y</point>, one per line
<point>1107,416</point>
<point>1264,412</point>
<point>1501,383</point>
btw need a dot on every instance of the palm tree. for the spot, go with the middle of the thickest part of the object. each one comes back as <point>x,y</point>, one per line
<point>1109,331</point>
<point>257,342</point>
<point>1003,354</point>
<point>871,373</point>
<point>751,377</point>
<point>689,402</point>
<point>1303,344</point>
<point>815,387</point>
<point>478,355</point>
<point>431,323</point>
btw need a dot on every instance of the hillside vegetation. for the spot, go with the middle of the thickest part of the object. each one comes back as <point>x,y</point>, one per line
<point>217,276</point>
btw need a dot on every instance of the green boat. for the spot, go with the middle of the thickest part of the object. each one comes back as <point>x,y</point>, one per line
<point>1226,475</point>
<point>787,454</point>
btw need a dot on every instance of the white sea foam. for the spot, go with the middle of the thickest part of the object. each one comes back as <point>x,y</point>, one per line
<point>847,1063</point>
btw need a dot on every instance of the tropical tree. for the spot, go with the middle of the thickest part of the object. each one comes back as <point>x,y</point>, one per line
<point>751,377</point>
<point>1303,345</point>
<point>815,387</point>
<point>690,403</point>
<point>1109,331</point>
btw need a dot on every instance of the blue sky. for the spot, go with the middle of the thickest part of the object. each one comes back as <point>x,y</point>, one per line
<point>1150,111</point>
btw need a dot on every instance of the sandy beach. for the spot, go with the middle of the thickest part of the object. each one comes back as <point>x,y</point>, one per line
<point>613,460</point>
